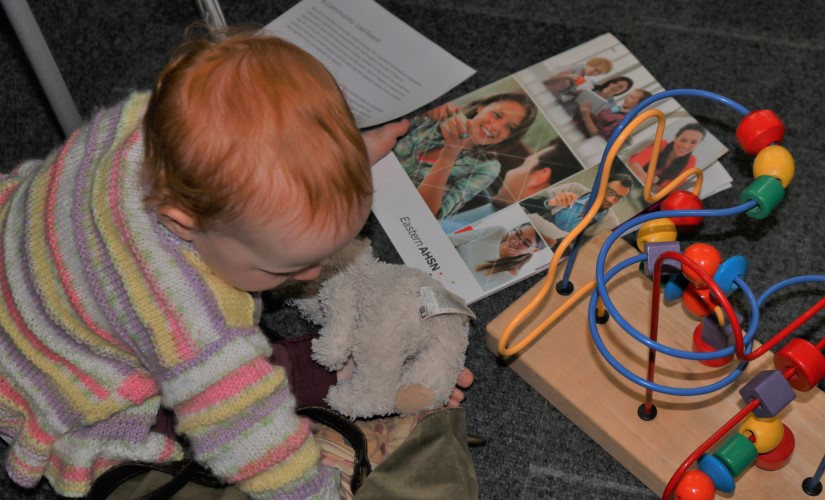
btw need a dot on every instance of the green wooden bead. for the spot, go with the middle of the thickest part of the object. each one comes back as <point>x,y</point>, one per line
<point>738,453</point>
<point>767,192</point>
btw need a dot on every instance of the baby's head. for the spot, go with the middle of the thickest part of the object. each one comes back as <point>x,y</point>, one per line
<point>632,99</point>
<point>597,66</point>
<point>252,154</point>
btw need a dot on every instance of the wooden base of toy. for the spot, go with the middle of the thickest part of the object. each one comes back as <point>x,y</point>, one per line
<point>564,365</point>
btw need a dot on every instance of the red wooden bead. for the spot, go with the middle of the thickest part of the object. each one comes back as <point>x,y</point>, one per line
<point>684,200</point>
<point>700,345</point>
<point>698,301</point>
<point>759,129</point>
<point>808,361</point>
<point>708,259</point>
<point>695,485</point>
<point>779,456</point>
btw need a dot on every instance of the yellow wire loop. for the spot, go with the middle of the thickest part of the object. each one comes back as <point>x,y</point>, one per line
<point>651,170</point>
<point>720,316</point>
<point>546,288</point>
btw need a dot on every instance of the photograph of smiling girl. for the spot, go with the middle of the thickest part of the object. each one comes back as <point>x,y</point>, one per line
<point>685,144</point>
<point>455,152</point>
<point>501,249</point>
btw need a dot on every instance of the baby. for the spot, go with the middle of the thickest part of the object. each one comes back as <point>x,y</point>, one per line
<point>571,77</point>
<point>129,255</point>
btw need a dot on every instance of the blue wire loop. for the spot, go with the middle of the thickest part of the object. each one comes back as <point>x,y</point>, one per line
<point>602,277</point>
<point>601,291</point>
<point>618,130</point>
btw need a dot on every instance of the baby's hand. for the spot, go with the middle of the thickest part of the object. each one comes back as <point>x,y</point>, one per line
<point>465,380</point>
<point>380,141</point>
<point>585,108</point>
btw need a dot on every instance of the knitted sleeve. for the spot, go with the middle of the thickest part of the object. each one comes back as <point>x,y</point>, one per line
<point>104,315</point>
<point>198,338</point>
<point>239,414</point>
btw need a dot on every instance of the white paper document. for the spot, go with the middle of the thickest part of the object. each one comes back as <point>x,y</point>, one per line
<point>495,225</point>
<point>386,68</point>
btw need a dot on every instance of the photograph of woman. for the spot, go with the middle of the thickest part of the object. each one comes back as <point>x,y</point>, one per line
<point>607,90</point>
<point>537,171</point>
<point>495,254</point>
<point>675,156</point>
<point>448,153</point>
<point>605,120</point>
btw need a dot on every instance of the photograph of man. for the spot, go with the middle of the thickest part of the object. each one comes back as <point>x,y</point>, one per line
<point>558,209</point>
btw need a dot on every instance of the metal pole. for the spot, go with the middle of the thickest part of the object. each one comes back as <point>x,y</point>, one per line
<point>31,38</point>
<point>211,12</point>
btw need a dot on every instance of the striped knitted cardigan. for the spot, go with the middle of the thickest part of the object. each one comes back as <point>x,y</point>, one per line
<point>105,316</point>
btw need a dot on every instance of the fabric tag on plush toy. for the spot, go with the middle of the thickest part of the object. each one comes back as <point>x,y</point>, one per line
<point>436,300</point>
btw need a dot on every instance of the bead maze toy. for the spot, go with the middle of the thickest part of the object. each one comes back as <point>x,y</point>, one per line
<point>684,443</point>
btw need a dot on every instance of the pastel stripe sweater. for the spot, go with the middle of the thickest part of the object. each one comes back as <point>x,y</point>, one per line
<point>105,316</point>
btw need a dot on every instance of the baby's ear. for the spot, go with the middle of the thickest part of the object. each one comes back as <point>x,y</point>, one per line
<point>179,222</point>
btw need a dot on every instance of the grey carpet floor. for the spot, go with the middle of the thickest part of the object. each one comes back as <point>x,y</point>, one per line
<point>763,54</point>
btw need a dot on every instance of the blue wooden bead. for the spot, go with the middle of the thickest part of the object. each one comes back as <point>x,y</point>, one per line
<point>675,287</point>
<point>716,335</point>
<point>767,192</point>
<point>773,391</point>
<point>718,473</point>
<point>657,248</point>
<point>728,271</point>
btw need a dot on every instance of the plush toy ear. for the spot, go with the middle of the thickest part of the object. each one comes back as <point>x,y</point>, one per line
<point>339,306</point>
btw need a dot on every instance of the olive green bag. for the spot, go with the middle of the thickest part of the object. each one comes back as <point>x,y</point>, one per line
<point>433,462</point>
<point>419,457</point>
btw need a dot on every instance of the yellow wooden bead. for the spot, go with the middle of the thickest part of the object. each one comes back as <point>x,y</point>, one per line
<point>655,231</point>
<point>767,432</point>
<point>774,161</point>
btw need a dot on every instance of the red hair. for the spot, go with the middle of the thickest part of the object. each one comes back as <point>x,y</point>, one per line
<point>251,125</point>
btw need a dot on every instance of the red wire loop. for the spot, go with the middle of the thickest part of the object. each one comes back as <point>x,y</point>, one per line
<point>739,349</point>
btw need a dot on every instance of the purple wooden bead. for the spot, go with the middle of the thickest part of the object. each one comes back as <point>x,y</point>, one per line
<point>773,391</point>
<point>716,335</point>
<point>654,249</point>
